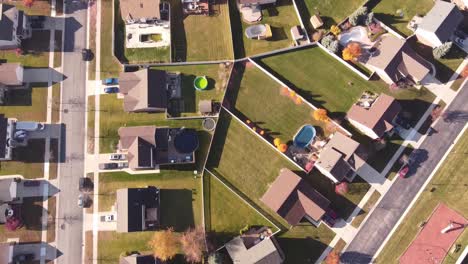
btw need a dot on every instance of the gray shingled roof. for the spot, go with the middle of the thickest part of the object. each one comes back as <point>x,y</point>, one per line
<point>443,19</point>
<point>6,22</point>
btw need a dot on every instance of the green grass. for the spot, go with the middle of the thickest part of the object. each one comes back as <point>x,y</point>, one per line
<point>27,104</point>
<point>327,83</point>
<point>200,37</point>
<point>58,48</point>
<point>366,209</point>
<point>225,213</point>
<point>35,51</point>
<point>113,117</point>
<point>386,11</point>
<point>91,117</point>
<point>280,116</point>
<point>92,41</point>
<point>280,17</point>
<point>56,97</point>
<point>112,244</point>
<point>457,83</point>
<point>332,12</point>
<point>217,75</point>
<point>450,188</point>
<point>110,66</point>
<point>146,55</point>
<point>39,7</point>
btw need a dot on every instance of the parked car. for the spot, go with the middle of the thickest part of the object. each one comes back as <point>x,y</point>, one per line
<point>108,166</point>
<point>403,171</point>
<point>110,81</point>
<point>111,90</point>
<point>86,54</point>
<point>123,165</point>
<point>118,157</point>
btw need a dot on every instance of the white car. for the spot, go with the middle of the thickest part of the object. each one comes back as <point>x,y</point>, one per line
<point>118,157</point>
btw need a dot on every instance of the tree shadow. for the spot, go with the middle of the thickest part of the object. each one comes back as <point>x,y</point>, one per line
<point>278,34</point>
<point>455,116</point>
<point>355,257</point>
<point>177,209</point>
<point>301,250</point>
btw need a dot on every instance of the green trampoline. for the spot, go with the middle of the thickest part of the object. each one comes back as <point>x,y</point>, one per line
<point>200,83</point>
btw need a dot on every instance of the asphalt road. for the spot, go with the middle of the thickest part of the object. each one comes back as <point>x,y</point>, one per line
<point>70,216</point>
<point>423,161</point>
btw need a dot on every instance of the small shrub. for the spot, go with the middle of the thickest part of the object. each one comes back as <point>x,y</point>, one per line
<point>330,43</point>
<point>335,30</point>
<point>370,19</point>
<point>442,50</point>
<point>244,229</point>
<point>358,16</point>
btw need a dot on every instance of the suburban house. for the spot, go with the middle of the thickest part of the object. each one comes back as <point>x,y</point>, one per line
<point>147,23</point>
<point>138,209</point>
<point>6,253</point>
<point>251,10</point>
<point>439,24</point>
<point>394,60</point>
<point>374,117</point>
<point>462,4</point>
<point>8,138</point>
<point>14,26</point>
<point>138,259</point>
<point>149,90</point>
<point>340,158</point>
<point>149,146</point>
<point>255,246</point>
<point>8,198</point>
<point>294,199</point>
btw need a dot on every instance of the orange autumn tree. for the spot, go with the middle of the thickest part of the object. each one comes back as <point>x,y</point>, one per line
<point>321,115</point>
<point>28,3</point>
<point>164,244</point>
<point>333,258</point>
<point>352,51</point>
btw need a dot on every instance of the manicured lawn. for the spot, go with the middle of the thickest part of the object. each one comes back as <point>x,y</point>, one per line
<point>249,165</point>
<point>27,104</point>
<point>327,83</point>
<point>27,161</point>
<point>449,188</point>
<point>91,116</point>
<point>280,17</point>
<point>92,40</point>
<point>112,244</point>
<point>280,115</point>
<point>386,11</point>
<point>200,37</point>
<point>225,213</point>
<point>58,48</point>
<point>113,117</point>
<point>217,75</point>
<point>56,97</point>
<point>35,51</point>
<point>110,66</point>
<point>147,55</point>
<point>332,12</point>
<point>366,209</point>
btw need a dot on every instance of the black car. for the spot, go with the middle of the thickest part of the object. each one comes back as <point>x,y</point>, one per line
<point>86,54</point>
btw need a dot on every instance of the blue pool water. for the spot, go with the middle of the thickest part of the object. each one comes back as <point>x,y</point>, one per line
<point>304,136</point>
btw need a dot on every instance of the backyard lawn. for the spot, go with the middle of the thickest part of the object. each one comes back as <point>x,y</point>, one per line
<point>110,66</point>
<point>225,213</point>
<point>332,12</point>
<point>27,161</point>
<point>280,115</point>
<point>217,75</point>
<point>449,187</point>
<point>386,11</point>
<point>280,17</point>
<point>249,165</point>
<point>201,37</point>
<point>39,7</point>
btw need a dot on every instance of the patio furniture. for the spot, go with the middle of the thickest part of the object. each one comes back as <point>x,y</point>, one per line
<point>261,31</point>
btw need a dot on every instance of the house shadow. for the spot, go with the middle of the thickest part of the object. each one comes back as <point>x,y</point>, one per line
<point>299,250</point>
<point>416,160</point>
<point>32,212</point>
<point>49,252</point>
<point>32,153</point>
<point>177,209</point>
<point>74,6</point>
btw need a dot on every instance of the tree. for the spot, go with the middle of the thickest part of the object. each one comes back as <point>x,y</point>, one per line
<point>215,258</point>
<point>164,244</point>
<point>342,188</point>
<point>330,43</point>
<point>333,257</point>
<point>369,19</point>
<point>436,112</point>
<point>28,3</point>
<point>442,50</point>
<point>358,16</point>
<point>193,244</point>
<point>352,51</point>
<point>464,73</point>
<point>335,30</point>
<point>13,223</point>
<point>321,115</point>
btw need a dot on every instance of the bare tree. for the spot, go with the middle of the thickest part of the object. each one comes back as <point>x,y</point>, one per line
<point>193,244</point>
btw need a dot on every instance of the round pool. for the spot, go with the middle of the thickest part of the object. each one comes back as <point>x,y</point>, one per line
<point>200,83</point>
<point>304,136</point>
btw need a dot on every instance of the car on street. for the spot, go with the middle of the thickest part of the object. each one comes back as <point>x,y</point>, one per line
<point>118,157</point>
<point>86,54</point>
<point>108,166</point>
<point>404,170</point>
<point>110,81</point>
<point>111,90</point>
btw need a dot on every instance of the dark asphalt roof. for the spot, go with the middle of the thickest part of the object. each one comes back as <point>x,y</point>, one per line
<point>6,22</point>
<point>132,204</point>
<point>157,93</point>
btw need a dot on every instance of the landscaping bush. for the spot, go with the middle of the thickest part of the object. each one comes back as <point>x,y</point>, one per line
<point>335,30</point>
<point>358,17</point>
<point>330,43</point>
<point>317,35</point>
<point>442,50</point>
<point>370,19</point>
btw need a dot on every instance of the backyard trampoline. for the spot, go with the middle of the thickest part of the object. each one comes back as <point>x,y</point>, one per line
<point>304,136</point>
<point>261,31</point>
<point>200,83</point>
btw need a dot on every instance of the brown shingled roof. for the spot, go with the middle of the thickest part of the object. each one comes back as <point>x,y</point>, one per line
<point>293,198</point>
<point>379,116</point>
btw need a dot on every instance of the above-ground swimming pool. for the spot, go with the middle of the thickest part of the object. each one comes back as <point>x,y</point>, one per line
<point>259,31</point>
<point>200,83</point>
<point>304,136</point>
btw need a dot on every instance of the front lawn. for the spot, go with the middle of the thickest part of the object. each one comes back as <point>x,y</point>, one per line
<point>280,17</point>
<point>446,187</point>
<point>225,213</point>
<point>389,12</point>
<point>27,104</point>
<point>280,115</point>
<point>327,83</point>
<point>112,244</point>
<point>27,161</point>
<point>35,51</point>
<point>201,37</point>
<point>217,75</point>
<point>366,209</point>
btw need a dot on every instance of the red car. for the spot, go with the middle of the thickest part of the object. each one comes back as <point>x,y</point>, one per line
<point>402,173</point>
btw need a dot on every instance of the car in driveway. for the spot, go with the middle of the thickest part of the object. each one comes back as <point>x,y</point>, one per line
<point>108,166</point>
<point>111,90</point>
<point>110,81</point>
<point>118,156</point>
